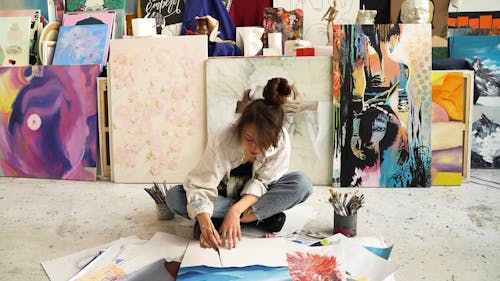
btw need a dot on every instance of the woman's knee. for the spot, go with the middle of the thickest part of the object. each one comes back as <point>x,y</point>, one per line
<point>302,183</point>
<point>176,199</point>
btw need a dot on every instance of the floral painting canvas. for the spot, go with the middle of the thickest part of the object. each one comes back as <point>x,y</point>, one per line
<point>382,105</point>
<point>82,44</point>
<point>48,122</point>
<point>157,107</point>
<point>310,129</point>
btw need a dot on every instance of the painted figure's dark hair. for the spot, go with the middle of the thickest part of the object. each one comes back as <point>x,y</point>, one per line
<point>267,114</point>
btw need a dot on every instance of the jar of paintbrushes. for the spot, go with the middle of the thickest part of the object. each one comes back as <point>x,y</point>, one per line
<point>345,211</point>
<point>159,193</point>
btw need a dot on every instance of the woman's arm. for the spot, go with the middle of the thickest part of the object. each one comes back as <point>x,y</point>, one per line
<point>209,237</point>
<point>201,189</point>
<point>299,104</point>
<point>231,229</point>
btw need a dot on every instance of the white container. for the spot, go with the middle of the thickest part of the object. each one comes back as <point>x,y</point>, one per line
<point>144,27</point>
<point>248,39</point>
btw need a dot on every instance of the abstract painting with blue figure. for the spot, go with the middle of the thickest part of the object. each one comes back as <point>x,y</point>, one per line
<point>377,150</point>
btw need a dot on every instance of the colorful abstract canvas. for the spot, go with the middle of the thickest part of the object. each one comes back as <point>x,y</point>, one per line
<point>157,107</point>
<point>289,23</point>
<point>252,259</point>
<point>14,41</point>
<point>315,27</point>
<point>48,122</point>
<point>310,264</point>
<point>94,5</point>
<point>486,136</point>
<point>449,103</point>
<point>82,44</point>
<point>382,105</point>
<point>482,52</point>
<point>310,130</point>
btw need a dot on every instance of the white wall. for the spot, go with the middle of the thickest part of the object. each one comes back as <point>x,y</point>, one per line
<point>476,6</point>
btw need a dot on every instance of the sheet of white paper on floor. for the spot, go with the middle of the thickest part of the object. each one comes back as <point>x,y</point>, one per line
<point>358,261</point>
<point>161,245</point>
<point>64,268</point>
<point>111,255</point>
<point>296,218</point>
<point>249,251</point>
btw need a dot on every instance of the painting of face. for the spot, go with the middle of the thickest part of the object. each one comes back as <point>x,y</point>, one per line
<point>229,79</point>
<point>381,106</point>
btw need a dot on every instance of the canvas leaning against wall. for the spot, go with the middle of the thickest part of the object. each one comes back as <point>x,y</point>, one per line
<point>35,30</point>
<point>82,44</point>
<point>451,111</point>
<point>382,105</point>
<point>14,41</point>
<point>157,107</point>
<point>486,136</point>
<point>309,130</point>
<point>48,122</point>
<point>482,52</point>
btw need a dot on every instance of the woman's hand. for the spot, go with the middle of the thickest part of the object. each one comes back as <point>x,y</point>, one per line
<point>231,229</point>
<point>209,237</point>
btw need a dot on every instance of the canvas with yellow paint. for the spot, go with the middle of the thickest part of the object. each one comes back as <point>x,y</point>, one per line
<point>449,100</point>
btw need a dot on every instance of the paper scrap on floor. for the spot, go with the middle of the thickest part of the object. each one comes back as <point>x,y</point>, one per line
<point>66,267</point>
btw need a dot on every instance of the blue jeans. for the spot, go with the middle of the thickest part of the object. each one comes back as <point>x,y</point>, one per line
<point>290,190</point>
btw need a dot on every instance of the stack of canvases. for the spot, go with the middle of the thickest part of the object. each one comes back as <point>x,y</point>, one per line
<point>48,114</point>
<point>475,37</point>
<point>380,95</point>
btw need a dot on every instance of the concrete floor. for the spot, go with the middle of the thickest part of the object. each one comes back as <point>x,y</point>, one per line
<point>439,233</point>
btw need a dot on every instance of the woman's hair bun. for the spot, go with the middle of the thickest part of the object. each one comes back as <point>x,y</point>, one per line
<point>277,91</point>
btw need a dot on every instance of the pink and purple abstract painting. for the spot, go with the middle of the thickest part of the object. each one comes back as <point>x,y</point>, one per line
<point>48,122</point>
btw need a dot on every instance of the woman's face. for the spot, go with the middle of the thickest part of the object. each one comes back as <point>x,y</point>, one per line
<point>250,141</point>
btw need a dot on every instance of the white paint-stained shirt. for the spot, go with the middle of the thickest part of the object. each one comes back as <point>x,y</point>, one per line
<point>223,153</point>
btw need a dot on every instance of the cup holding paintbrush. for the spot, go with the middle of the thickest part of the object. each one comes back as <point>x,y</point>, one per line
<point>159,194</point>
<point>345,209</point>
